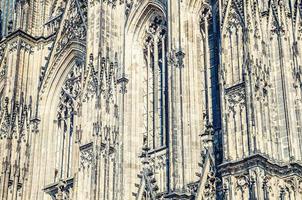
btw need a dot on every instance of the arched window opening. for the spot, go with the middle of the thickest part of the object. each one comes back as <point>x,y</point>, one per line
<point>234,51</point>
<point>65,119</point>
<point>155,52</point>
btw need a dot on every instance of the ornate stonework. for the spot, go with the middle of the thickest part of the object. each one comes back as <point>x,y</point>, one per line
<point>150,100</point>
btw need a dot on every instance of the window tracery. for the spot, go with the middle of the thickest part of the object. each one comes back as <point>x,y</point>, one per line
<point>67,107</point>
<point>155,53</point>
<point>234,51</point>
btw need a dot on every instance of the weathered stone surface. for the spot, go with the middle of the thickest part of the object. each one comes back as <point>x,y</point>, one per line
<point>150,99</point>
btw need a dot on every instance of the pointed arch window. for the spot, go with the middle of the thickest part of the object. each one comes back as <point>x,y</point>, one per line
<point>65,119</point>
<point>155,57</point>
<point>234,49</point>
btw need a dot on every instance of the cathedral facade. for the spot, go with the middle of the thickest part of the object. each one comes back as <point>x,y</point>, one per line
<point>150,99</point>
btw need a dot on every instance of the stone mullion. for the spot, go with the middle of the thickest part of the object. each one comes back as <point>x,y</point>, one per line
<point>225,43</point>
<point>156,131</point>
<point>240,144</point>
<point>227,137</point>
<point>273,144</point>
<point>149,75</point>
<point>75,153</point>
<point>61,148</point>
<point>163,91</point>
<point>242,132</point>
<point>174,172</point>
<point>268,129</point>
<point>245,130</point>
<point>240,57</point>
<point>208,74</point>
<point>263,139</point>
<point>222,85</point>
<point>66,146</point>
<point>233,136</point>
<point>71,145</point>
<point>235,132</point>
<point>64,149</point>
<point>58,133</point>
<point>231,55</point>
<point>237,75</point>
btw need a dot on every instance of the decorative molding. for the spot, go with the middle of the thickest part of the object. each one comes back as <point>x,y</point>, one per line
<point>21,44</point>
<point>73,28</point>
<point>2,51</point>
<point>235,96</point>
<point>261,161</point>
<point>60,190</point>
<point>86,156</point>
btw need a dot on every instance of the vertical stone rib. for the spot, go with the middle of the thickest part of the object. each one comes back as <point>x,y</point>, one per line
<point>163,90</point>
<point>156,94</point>
<point>148,67</point>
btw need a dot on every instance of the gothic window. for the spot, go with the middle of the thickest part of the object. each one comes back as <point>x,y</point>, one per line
<point>155,52</point>
<point>65,119</point>
<point>234,51</point>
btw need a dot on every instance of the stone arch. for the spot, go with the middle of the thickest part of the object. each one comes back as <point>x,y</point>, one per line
<point>139,69</point>
<point>141,14</point>
<point>48,103</point>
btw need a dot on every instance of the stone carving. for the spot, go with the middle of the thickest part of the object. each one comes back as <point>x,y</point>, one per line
<point>235,96</point>
<point>300,186</point>
<point>22,45</point>
<point>147,175</point>
<point>210,186</point>
<point>5,122</point>
<point>2,51</point>
<point>73,29</point>
<point>86,156</point>
<point>70,92</point>
<point>242,182</point>
<point>3,71</point>
<point>14,120</point>
<point>61,190</point>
